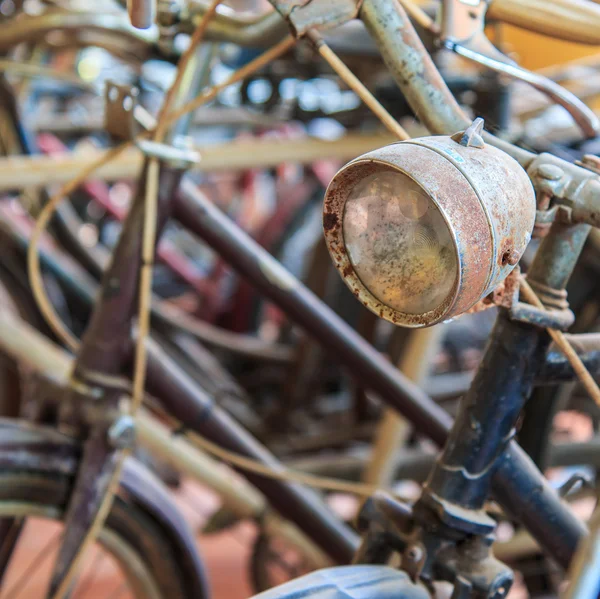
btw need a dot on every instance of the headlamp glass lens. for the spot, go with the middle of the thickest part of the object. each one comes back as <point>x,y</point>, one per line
<point>398,243</point>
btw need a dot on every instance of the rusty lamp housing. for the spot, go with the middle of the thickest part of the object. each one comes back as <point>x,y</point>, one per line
<point>422,230</point>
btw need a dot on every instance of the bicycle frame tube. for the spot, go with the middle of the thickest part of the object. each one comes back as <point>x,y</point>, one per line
<point>421,83</point>
<point>106,343</point>
<point>552,523</point>
<point>182,398</point>
<point>516,483</point>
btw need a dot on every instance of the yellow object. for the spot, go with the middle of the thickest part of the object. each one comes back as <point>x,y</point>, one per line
<point>534,51</point>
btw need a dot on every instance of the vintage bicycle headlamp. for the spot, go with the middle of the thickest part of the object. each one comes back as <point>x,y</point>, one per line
<point>422,230</point>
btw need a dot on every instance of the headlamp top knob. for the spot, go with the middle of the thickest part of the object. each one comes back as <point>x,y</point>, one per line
<point>471,136</point>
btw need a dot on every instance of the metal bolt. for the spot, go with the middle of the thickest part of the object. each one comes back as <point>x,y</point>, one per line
<point>513,258</point>
<point>121,434</point>
<point>550,172</point>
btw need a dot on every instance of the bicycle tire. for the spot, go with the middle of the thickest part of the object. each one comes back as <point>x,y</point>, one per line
<point>152,567</point>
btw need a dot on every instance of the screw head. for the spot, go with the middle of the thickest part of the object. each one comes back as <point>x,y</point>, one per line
<point>513,258</point>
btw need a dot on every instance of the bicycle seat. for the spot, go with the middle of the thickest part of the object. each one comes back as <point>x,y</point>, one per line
<point>349,582</point>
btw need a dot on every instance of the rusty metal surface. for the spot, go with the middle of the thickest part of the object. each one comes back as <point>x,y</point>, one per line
<point>506,194</point>
<point>490,221</point>
<point>573,187</point>
<point>505,295</point>
<point>553,263</point>
<point>413,69</point>
<point>304,15</point>
<point>418,164</point>
<point>411,66</point>
<point>561,320</point>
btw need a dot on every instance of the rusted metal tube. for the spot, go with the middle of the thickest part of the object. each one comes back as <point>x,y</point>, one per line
<point>412,67</point>
<point>552,264</point>
<point>106,342</point>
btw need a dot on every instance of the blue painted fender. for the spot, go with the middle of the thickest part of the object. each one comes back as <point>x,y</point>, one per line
<point>349,582</point>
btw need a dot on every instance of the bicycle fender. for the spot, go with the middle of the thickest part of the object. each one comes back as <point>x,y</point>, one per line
<point>349,582</point>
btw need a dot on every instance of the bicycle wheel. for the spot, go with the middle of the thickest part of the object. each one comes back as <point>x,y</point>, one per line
<point>147,564</point>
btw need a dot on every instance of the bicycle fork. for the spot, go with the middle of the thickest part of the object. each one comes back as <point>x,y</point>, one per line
<point>448,534</point>
<point>93,406</point>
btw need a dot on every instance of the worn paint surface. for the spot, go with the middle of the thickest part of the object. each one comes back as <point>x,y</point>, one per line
<point>486,200</point>
<point>506,194</point>
<point>304,15</point>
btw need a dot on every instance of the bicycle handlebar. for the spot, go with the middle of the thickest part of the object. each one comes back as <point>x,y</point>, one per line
<point>570,20</point>
<point>573,20</point>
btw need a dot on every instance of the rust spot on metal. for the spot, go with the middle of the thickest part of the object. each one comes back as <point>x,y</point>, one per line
<point>330,221</point>
<point>480,211</point>
<point>507,255</point>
